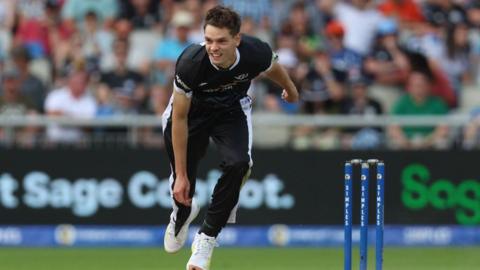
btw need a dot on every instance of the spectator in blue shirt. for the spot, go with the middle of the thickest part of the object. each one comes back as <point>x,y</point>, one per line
<point>255,9</point>
<point>75,10</point>
<point>170,48</point>
<point>342,59</point>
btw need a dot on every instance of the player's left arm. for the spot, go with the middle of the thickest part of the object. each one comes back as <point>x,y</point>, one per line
<point>279,75</point>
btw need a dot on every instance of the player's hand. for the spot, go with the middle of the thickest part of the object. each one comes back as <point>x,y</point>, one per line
<point>290,97</point>
<point>181,191</point>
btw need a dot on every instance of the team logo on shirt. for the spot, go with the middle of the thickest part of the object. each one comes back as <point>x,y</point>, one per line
<point>229,86</point>
<point>241,77</point>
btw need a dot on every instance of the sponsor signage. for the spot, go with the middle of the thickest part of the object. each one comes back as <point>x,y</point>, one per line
<point>233,236</point>
<point>122,187</point>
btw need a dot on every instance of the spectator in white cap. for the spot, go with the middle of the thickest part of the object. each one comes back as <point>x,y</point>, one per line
<point>168,49</point>
<point>166,53</point>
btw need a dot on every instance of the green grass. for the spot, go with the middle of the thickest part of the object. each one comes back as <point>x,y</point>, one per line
<point>233,259</point>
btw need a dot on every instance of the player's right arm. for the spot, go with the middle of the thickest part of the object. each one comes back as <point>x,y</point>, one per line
<point>181,107</point>
<point>279,75</point>
<point>185,71</point>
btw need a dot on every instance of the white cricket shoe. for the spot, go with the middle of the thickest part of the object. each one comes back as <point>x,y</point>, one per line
<point>173,244</point>
<point>202,250</point>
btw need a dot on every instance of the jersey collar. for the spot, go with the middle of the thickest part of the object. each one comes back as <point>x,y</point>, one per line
<point>237,53</point>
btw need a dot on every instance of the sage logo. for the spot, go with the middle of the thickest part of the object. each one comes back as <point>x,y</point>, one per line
<point>86,196</point>
<point>420,192</point>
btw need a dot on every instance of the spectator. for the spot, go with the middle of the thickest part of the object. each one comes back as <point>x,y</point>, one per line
<point>75,10</point>
<point>323,87</point>
<point>255,9</point>
<point>345,61</point>
<point>73,101</point>
<point>298,25</point>
<point>322,90</point>
<point>196,30</point>
<point>96,41</point>
<point>322,93</point>
<point>419,101</point>
<point>425,48</point>
<point>130,83</point>
<point>281,12</point>
<point>122,28</point>
<point>30,85</point>
<point>360,104</point>
<point>333,65</point>
<point>425,38</point>
<point>165,57</point>
<point>260,30</point>
<point>13,103</point>
<point>143,14</point>
<point>444,13</point>
<point>360,20</point>
<point>455,57</point>
<point>139,53</point>
<point>387,63</point>
<point>318,18</point>
<point>12,100</point>
<point>33,28</point>
<point>60,33</point>
<point>168,50</point>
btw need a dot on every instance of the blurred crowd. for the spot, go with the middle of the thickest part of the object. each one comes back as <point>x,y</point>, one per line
<point>103,58</point>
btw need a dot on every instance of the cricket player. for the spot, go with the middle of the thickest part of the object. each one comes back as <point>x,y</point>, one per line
<point>210,101</point>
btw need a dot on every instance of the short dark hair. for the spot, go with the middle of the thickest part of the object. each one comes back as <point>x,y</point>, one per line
<point>223,17</point>
<point>427,74</point>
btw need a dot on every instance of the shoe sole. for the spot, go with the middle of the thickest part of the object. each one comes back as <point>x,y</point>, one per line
<point>190,219</point>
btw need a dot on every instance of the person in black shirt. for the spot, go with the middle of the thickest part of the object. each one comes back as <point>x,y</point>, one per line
<point>361,104</point>
<point>122,77</point>
<point>144,14</point>
<point>210,101</point>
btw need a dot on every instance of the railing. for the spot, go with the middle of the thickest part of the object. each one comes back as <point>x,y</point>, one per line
<point>359,121</point>
<point>258,119</point>
<point>133,124</point>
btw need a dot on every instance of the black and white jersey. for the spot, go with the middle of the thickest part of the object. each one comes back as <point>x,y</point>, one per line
<point>212,87</point>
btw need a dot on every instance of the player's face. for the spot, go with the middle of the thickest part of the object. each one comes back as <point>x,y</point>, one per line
<point>221,45</point>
